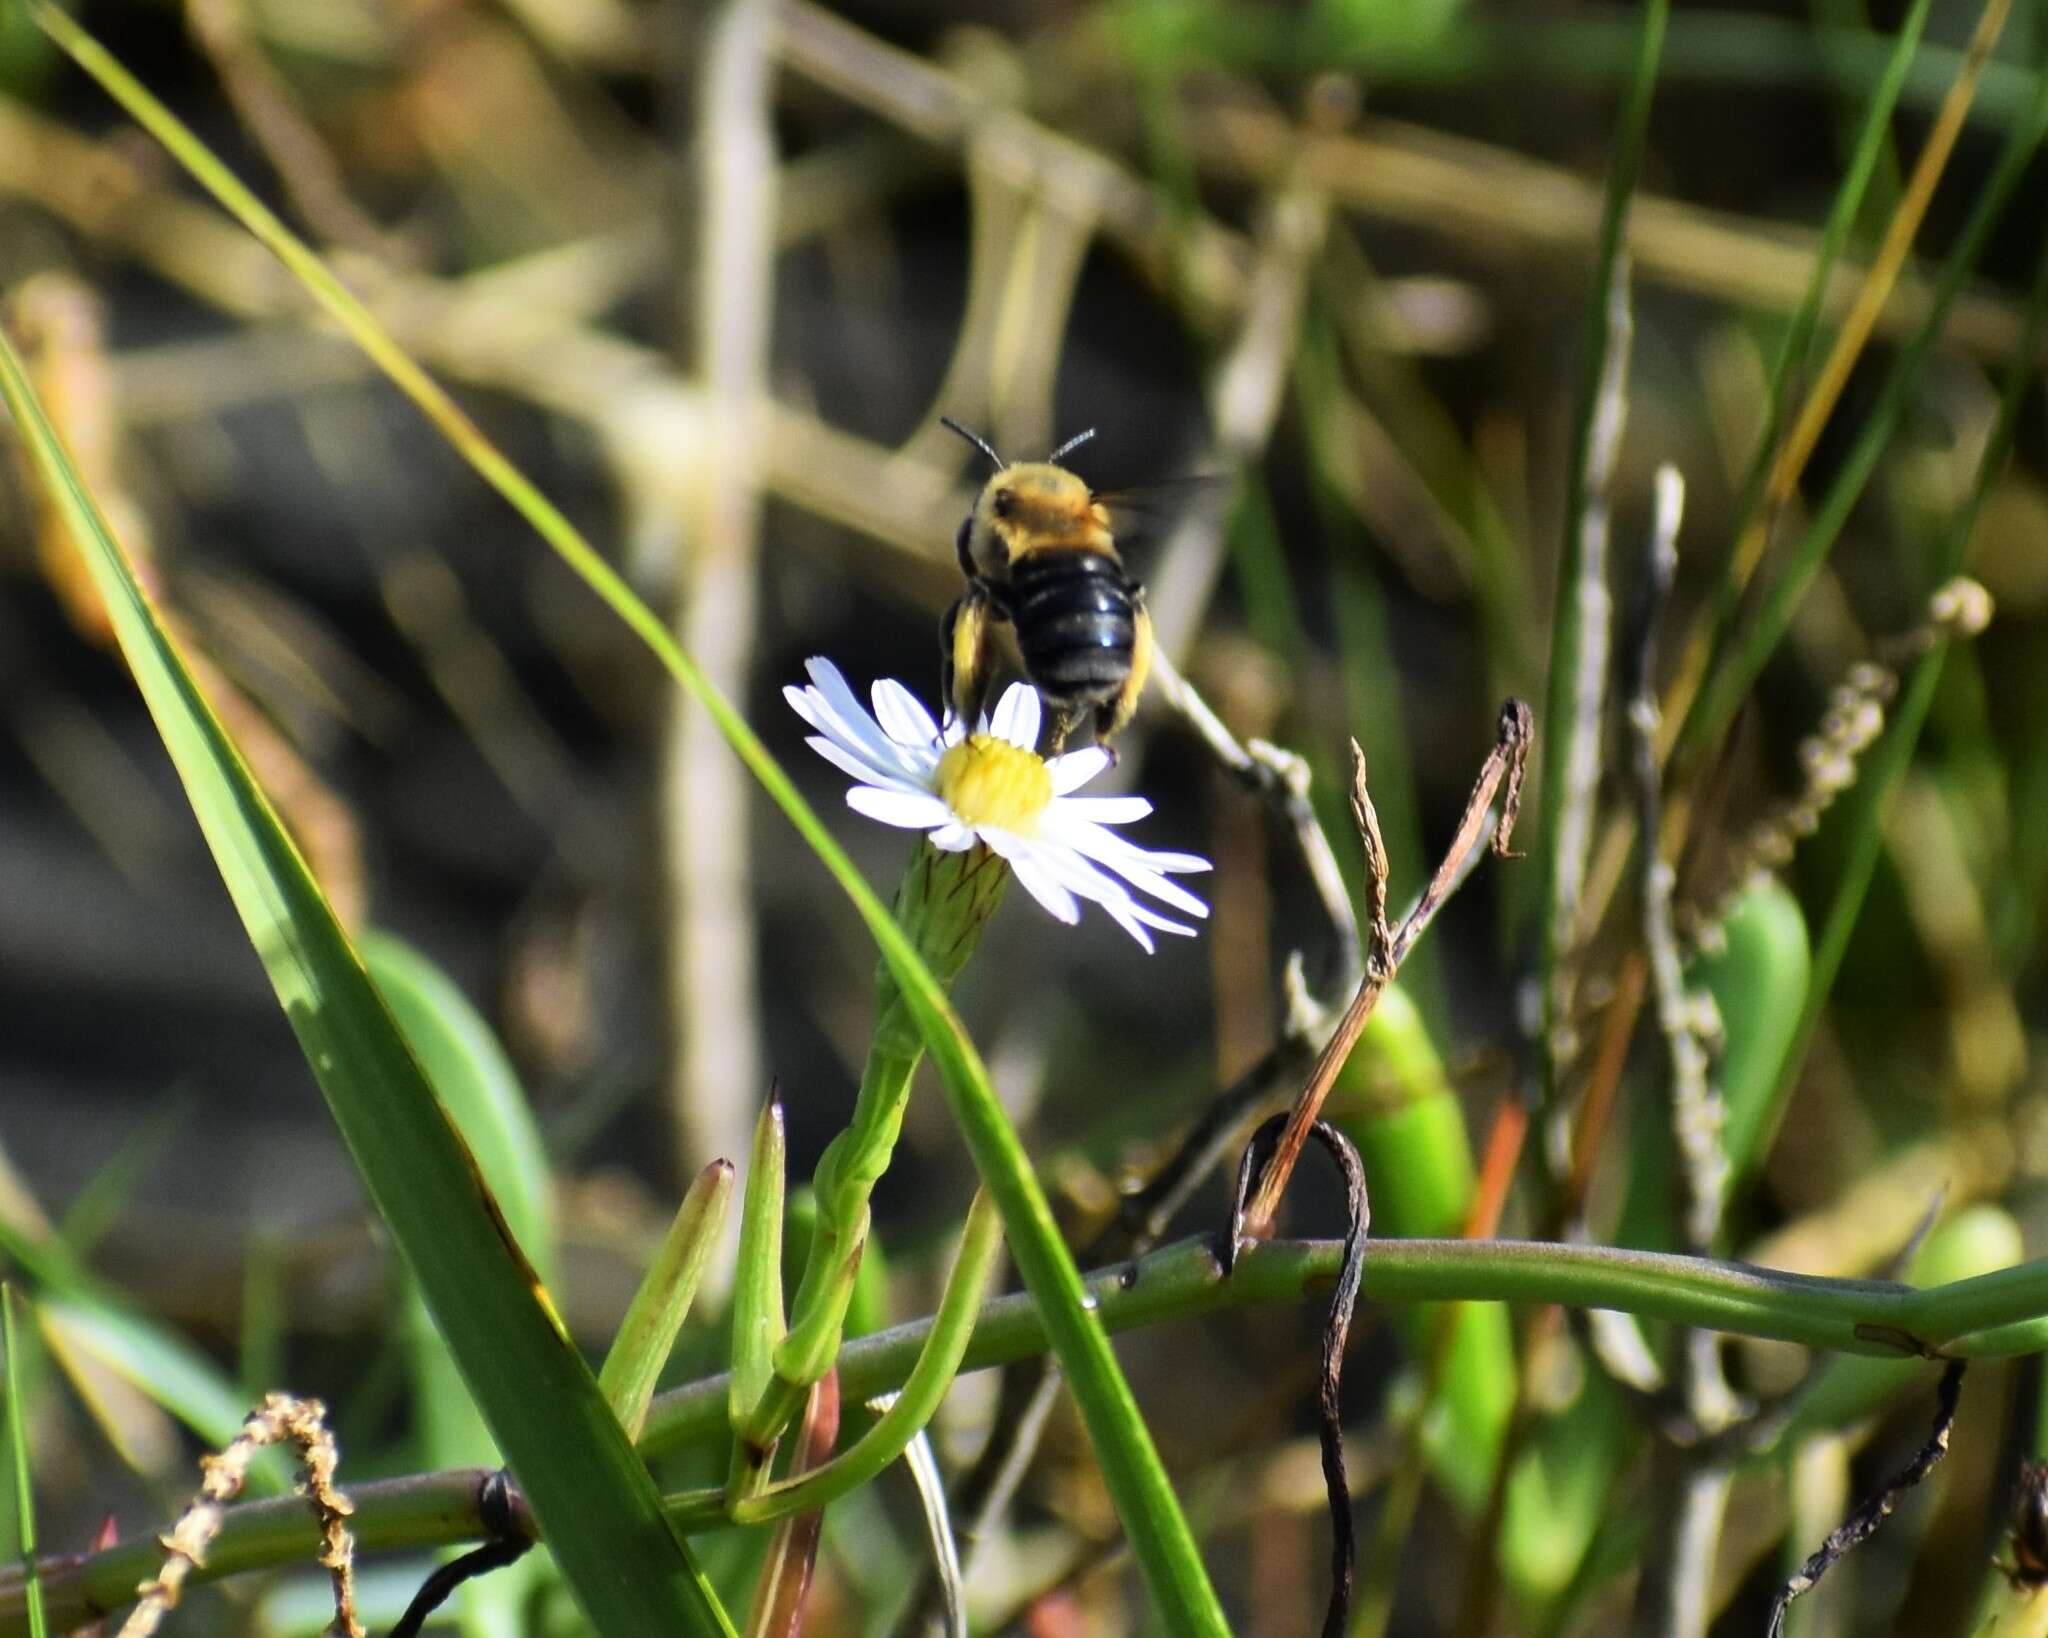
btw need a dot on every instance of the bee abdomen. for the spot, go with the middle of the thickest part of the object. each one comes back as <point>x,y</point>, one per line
<point>1076,624</point>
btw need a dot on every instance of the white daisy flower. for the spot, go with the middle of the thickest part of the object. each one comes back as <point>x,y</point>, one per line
<point>991,786</point>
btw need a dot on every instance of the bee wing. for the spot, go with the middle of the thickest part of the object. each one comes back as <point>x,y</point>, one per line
<point>1140,509</point>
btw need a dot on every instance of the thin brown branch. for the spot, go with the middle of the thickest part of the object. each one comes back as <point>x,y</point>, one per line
<point>1501,775</point>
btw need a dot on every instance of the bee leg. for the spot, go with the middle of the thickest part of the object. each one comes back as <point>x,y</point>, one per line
<point>1110,720</point>
<point>963,642</point>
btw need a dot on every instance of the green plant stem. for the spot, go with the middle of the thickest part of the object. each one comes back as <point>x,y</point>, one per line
<point>938,1362</point>
<point>1993,1315</point>
<point>16,1383</point>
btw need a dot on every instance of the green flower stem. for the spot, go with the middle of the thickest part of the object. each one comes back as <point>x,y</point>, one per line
<point>945,900</point>
<point>938,1362</point>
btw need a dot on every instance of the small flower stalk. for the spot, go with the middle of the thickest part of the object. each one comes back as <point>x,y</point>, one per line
<point>990,808</point>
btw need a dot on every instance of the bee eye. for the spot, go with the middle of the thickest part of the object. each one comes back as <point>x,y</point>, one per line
<point>1004,503</point>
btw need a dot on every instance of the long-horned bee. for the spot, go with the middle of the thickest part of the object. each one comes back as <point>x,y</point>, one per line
<point>1038,553</point>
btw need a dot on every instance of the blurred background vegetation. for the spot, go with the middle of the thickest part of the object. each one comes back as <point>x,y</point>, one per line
<point>710,272</point>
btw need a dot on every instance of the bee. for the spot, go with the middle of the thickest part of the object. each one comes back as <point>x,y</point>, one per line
<point>1040,556</point>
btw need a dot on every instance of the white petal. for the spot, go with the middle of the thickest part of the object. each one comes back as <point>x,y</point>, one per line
<point>908,810</point>
<point>1141,869</point>
<point>1016,718</point>
<point>851,763</point>
<point>902,717</point>
<point>843,719</point>
<point>1043,886</point>
<point>1092,839</point>
<point>1129,924</point>
<point>1076,768</point>
<point>952,838</point>
<point>1003,844</point>
<point>1108,810</point>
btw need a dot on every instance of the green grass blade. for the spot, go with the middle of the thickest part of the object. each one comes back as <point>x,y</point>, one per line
<point>18,1457</point>
<point>1137,1482</point>
<point>1862,812</point>
<point>89,1328</point>
<point>98,1206</point>
<point>1842,216</point>
<point>1730,684</point>
<point>477,1086</point>
<point>83,1333</point>
<point>596,1502</point>
<point>659,1307</point>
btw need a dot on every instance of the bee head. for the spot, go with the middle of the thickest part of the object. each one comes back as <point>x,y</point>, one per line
<point>1030,507</point>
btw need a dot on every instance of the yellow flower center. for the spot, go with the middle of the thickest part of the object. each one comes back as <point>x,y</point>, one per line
<point>988,781</point>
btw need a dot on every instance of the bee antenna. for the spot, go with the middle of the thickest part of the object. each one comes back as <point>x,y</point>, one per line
<point>1069,446</point>
<point>974,438</point>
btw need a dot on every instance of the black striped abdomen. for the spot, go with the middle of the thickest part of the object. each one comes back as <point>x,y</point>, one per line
<point>1076,625</point>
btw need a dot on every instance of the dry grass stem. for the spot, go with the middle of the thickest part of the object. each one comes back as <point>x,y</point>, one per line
<point>1829,756</point>
<point>1572,846</point>
<point>1501,775</point>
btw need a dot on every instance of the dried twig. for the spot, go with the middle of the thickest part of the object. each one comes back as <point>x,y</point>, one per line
<point>1329,1421</point>
<point>280,1419</point>
<point>1501,775</point>
<point>1862,1524</point>
<point>1280,777</point>
<point>707,512</point>
<point>1683,1017</point>
<point>1575,762</point>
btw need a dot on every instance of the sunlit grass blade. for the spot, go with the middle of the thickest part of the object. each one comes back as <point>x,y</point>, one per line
<point>476,1084</point>
<point>1736,673</point>
<point>1842,216</point>
<point>596,1502</point>
<point>87,1336</point>
<point>15,1386</point>
<point>1137,1482</point>
<point>1861,813</point>
<point>661,1304</point>
<point>91,1331</point>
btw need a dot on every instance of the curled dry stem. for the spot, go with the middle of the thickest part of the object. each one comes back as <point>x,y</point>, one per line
<point>1862,1524</point>
<point>280,1419</point>
<point>1336,1331</point>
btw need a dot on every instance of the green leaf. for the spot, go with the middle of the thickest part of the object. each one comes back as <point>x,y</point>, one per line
<point>18,1457</point>
<point>662,1303</point>
<point>758,1318</point>
<point>596,1503</point>
<point>476,1084</point>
